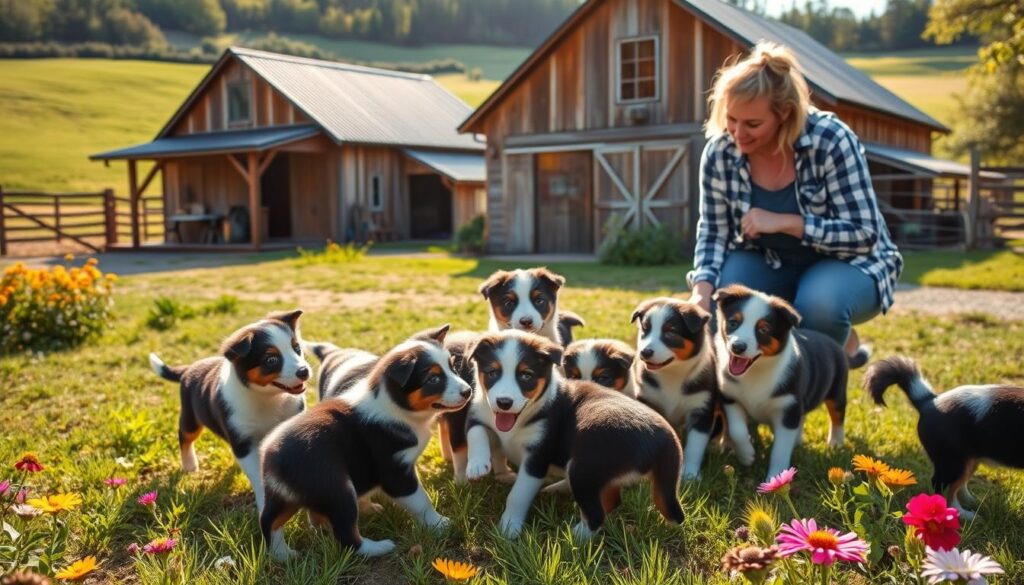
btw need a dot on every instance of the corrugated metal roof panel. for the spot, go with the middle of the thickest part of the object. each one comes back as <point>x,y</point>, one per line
<point>366,105</point>
<point>213,142</point>
<point>457,166</point>
<point>922,163</point>
<point>824,69</point>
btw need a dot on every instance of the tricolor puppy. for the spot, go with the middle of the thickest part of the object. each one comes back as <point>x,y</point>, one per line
<point>452,425</point>
<point>959,428</point>
<point>675,371</point>
<point>367,437</point>
<point>599,439</point>
<point>340,368</point>
<point>525,300</point>
<point>256,383</point>
<point>774,373</point>
<point>608,362</point>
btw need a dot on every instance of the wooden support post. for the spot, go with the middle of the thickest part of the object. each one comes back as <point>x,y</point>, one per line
<point>255,205</point>
<point>110,216</point>
<point>3,227</point>
<point>974,203</point>
<point>133,193</point>
<point>56,217</point>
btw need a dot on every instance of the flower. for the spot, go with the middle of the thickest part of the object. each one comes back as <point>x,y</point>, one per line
<point>749,559</point>
<point>69,257</point>
<point>4,486</point>
<point>29,462</point>
<point>22,495</point>
<point>115,482</point>
<point>953,565</point>
<point>742,534</point>
<point>934,523</point>
<point>836,475</point>
<point>729,471</point>
<point>778,483</point>
<point>872,467</point>
<point>898,478</point>
<point>761,519</point>
<point>25,512</point>
<point>124,462</point>
<point>78,569</point>
<point>148,498</point>
<point>56,503</point>
<point>24,577</point>
<point>133,548</point>
<point>826,545</point>
<point>224,563</point>
<point>454,570</point>
<point>159,546</point>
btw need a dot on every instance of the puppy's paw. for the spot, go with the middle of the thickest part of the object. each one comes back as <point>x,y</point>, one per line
<point>582,532</point>
<point>369,507</point>
<point>283,555</point>
<point>745,453</point>
<point>509,526</point>
<point>690,474</point>
<point>506,477</point>
<point>478,469</point>
<point>559,487</point>
<point>375,548</point>
<point>440,524</point>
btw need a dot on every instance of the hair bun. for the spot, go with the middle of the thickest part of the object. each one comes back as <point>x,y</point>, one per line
<point>777,61</point>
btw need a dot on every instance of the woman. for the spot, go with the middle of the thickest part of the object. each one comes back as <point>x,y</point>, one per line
<point>787,205</point>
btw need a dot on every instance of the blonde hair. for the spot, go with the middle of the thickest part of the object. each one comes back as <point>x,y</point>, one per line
<point>769,71</point>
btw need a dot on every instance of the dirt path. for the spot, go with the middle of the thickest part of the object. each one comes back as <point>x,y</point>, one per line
<point>946,301</point>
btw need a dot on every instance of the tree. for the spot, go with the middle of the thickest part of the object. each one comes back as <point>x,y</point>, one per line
<point>993,107</point>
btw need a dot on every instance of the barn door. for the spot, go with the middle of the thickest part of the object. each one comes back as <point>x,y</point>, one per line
<point>641,185</point>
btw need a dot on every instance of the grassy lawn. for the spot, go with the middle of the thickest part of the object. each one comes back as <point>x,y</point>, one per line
<point>79,410</point>
<point>978,269</point>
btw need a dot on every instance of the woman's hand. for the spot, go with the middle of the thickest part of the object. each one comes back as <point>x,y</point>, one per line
<point>701,295</point>
<point>758,221</point>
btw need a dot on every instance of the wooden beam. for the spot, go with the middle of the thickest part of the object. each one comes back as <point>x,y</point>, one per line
<point>255,205</point>
<point>267,159</point>
<point>133,193</point>
<point>149,178</point>
<point>238,166</point>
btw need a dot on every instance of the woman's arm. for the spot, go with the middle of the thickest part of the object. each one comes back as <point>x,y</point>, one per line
<point>713,223</point>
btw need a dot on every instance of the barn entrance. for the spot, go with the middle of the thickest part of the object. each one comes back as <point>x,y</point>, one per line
<point>276,199</point>
<point>564,210</point>
<point>430,208</point>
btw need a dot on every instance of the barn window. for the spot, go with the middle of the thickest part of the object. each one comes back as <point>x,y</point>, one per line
<point>239,103</point>
<point>637,69</point>
<point>376,199</point>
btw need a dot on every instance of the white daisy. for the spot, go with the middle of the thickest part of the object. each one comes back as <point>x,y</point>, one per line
<point>953,565</point>
<point>224,563</point>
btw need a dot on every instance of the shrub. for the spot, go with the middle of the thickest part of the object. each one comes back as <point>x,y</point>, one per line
<point>651,246</point>
<point>166,312</point>
<point>334,253</point>
<point>51,309</point>
<point>470,237</point>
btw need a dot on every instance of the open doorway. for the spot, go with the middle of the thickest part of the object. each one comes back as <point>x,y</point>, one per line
<point>276,199</point>
<point>430,208</point>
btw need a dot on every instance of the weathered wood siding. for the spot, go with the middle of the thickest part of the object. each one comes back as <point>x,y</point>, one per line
<point>313,192</point>
<point>358,166</point>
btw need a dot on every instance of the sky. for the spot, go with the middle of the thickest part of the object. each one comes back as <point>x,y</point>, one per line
<point>860,8</point>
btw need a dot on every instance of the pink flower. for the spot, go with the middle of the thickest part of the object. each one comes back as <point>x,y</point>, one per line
<point>777,483</point>
<point>936,524</point>
<point>115,482</point>
<point>4,486</point>
<point>133,549</point>
<point>826,545</point>
<point>159,546</point>
<point>22,495</point>
<point>147,499</point>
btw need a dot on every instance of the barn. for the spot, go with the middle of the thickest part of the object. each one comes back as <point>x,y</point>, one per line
<point>273,149</point>
<point>605,119</point>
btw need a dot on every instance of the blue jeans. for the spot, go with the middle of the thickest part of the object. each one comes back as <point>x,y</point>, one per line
<point>830,295</point>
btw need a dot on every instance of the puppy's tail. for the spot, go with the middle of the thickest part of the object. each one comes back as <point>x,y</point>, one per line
<point>164,371</point>
<point>567,320</point>
<point>320,350</point>
<point>902,372</point>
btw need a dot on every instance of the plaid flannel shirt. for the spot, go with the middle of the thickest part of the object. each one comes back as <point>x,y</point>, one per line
<point>834,193</point>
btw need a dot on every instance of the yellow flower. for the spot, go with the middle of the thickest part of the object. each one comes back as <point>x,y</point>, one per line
<point>836,475</point>
<point>898,478</point>
<point>78,569</point>
<point>872,467</point>
<point>69,257</point>
<point>454,570</point>
<point>56,503</point>
<point>111,277</point>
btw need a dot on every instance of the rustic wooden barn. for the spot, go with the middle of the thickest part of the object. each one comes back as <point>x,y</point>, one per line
<point>321,149</point>
<point>605,118</point>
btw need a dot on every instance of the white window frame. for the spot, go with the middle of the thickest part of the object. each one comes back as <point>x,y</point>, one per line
<point>375,186</point>
<point>657,69</point>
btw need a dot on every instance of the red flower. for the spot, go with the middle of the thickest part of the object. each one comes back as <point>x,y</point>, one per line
<point>937,525</point>
<point>29,462</point>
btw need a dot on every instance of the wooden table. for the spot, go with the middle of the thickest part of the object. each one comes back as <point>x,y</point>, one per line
<point>211,222</point>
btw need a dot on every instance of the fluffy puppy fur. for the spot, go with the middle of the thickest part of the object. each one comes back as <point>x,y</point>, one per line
<point>599,439</point>
<point>675,371</point>
<point>452,425</point>
<point>525,300</point>
<point>774,373</point>
<point>607,362</point>
<point>340,368</point>
<point>256,383</point>
<point>365,438</point>
<point>959,428</point>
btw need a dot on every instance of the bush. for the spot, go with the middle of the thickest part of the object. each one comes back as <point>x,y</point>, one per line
<point>651,246</point>
<point>334,253</point>
<point>52,309</point>
<point>470,237</point>
<point>166,312</point>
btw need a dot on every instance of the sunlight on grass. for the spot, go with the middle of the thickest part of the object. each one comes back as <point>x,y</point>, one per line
<point>978,269</point>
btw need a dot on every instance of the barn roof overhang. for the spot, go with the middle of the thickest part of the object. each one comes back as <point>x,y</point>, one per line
<point>208,143</point>
<point>921,164</point>
<point>461,167</point>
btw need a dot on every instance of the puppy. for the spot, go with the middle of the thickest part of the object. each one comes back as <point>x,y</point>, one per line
<point>340,369</point>
<point>452,425</point>
<point>774,373</point>
<point>365,438</point>
<point>257,382</point>
<point>607,362</point>
<point>959,428</point>
<point>526,300</point>
<point>567,321</point>
<point>600,439</point>
<point>676,371</point>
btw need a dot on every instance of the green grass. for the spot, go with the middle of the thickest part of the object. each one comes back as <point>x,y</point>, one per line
<point>79,410</point>
<point>980,269</point>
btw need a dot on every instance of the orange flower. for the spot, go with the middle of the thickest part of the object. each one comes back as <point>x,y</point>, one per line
<point>836,475</point>
<point>454,570</point>
<point>872,467</point>
<point>898,478</point>
<point>78,569</point>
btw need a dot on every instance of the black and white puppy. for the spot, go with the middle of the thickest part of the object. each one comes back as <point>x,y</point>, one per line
<point>959,428</point>
<point>599,439</point>
<point>367,437</point>
<point>675,371</point>
<point>256,383</point>
<point>774,373</point>
<point>452,425</point>
<point>340,368</point>
<point>525,300</point>
<point>608,362</point>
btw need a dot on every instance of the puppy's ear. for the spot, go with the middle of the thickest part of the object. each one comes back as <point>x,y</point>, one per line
<point>556,281</point>
<point>570,319</point>
<point>499,278</point>
<point>785,311</point>
<point>623,356</point>
<point>641,310</point>
<point>238,345</point>
<point>694,317</point>
<point>400,369</point>
<point>436,334</point>
<point>724,296</point>
<point>550,351</point>
<point>289,318</point>
<point>477,347</point>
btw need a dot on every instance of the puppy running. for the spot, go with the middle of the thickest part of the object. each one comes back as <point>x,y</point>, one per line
<point>256,383</point>
<point>368,437</point>
<point>959,428</point>
<point>676,371</point>
<point>774,373</point>
<point>600,439</point>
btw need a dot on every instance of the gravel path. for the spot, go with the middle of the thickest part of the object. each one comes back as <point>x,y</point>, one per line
<point>945,301</point>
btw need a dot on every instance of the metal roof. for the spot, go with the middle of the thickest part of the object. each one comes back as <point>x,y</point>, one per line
<point>921,163</point>
<point>366,105</point>
<point>825,70</point>
<point>457,166</point>
<point>213,142</point>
